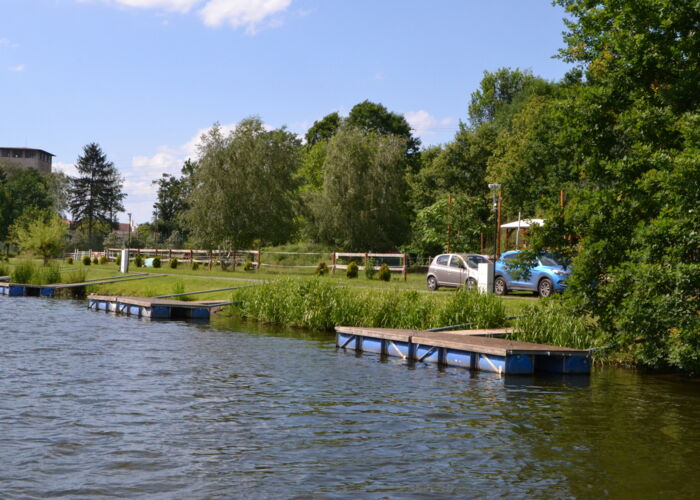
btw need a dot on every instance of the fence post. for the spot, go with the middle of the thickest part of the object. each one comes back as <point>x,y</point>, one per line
<point>170,254</point>
<point>191,256</point>
<point>405,271</point>
<point>211,257</point>
<point>333,262</point>
<point>259,254</point>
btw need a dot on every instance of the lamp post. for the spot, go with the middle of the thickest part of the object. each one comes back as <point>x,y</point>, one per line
<point>494,189</point>
<point>129,244</point>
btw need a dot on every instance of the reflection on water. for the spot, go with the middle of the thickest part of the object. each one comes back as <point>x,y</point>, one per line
<point>94,404</point>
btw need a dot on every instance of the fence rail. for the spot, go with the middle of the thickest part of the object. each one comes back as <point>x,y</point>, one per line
<point>339,260</point>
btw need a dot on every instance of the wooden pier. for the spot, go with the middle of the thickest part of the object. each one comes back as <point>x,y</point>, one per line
<point>155,308</point>
<point>477,350</point>
<point>27,290</point>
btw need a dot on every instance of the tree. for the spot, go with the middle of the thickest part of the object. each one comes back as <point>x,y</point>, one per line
<point>374,117</point>
<point>171,203</point>
<point>96,194</point>
<point>244,187</point>
<point>324,129</point>
<point>20,190</point>
<point>362,205</point>
<point>43,234</point>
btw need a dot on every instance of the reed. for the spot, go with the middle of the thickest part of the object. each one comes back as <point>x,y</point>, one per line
<point>75,276</point>
<point>46,275</point>
<point>319,305</point>
<point>23,272</point>
<point>552,322</point>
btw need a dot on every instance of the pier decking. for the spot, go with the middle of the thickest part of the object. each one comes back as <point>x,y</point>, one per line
<point>472,349</point>
<point>27,290</point>
<point>154,308</point>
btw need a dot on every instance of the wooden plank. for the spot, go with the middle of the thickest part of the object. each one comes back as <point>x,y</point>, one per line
<point>153,302</point>
<point>494,332</point>
<point>488,345</point>
<point>378,333</point>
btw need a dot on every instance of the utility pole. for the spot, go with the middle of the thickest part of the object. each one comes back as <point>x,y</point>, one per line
<point>129,243</point>
<point>496,216</point>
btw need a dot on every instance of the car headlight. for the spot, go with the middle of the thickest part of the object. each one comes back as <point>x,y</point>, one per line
<point>561,273</point>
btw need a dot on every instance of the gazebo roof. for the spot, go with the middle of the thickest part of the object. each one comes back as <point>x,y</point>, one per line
<point>523,224</point>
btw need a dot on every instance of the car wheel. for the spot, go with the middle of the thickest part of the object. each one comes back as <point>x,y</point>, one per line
<point>500,286</point>
<point>471,284</point>
<point>545,287</point>
<point>432,283</point>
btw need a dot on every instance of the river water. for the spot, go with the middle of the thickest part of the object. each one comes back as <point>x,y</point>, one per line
<point>96,405</point>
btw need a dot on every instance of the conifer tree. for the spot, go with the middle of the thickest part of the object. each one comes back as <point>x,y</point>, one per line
<point>96,193</point>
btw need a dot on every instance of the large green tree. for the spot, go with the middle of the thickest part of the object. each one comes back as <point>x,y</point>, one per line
<point>244,187</point>
<point>627,137</point>
<point>171,203</point>
<point>362,205</point>
<point>21,190</point>
<point>95,195</point>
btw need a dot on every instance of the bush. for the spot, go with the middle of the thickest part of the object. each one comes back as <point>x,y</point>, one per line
<point>103,260</point>
<point>118,260</point>
<point>23,272</point>
<point>195,266</point>
<point>173,264</point>
<point>138,261</point>
<point>384,273</point>
<point>249,266</point>
<point>46,275</point>
<point>69,260</point>
<point>224,265</point>
<point>369,269</point>
<point>156,262</point>
<point>322,269</point>
<point>95,261</point>
<point>352,270</point>
<point>4,269</point>
<point>86,261</point>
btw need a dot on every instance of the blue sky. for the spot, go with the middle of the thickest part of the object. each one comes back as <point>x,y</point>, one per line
<point>144,78</point>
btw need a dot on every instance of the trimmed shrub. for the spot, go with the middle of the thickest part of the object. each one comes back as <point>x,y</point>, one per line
<point>249,266</point>
<point>322,269</point>
<point>103,260</point>
<point>173,264</point>
<point>156,262</point>
<point>86,261</point>
<point>224,265</point>
<point>95,261</point>
<point>69,260</point>
<point>23,272</point>
<point>384,273</point>
<point>138,261</point>
<point>352,270</point>
<point>369,269</point>
<point>195,266</point>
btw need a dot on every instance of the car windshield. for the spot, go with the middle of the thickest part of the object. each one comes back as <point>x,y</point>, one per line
<point>547,259</point>
<point>474,258</point>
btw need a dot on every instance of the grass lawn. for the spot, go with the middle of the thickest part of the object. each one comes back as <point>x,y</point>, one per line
<point>184,279</point>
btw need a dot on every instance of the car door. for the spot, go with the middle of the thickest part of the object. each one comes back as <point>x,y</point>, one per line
<point>458,271</point>
<point>442,269</point>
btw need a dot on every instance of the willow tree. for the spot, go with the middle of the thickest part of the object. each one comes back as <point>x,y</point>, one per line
<point>243,188</point>
<point>363,202</point>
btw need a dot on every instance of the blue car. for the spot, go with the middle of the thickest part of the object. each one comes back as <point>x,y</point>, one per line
<point>546,277</point>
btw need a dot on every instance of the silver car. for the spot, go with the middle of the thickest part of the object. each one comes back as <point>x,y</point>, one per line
<point>455,270</point>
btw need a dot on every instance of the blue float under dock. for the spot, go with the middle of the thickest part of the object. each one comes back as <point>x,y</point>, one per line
<point>154,308</point>
<point>477,350</point>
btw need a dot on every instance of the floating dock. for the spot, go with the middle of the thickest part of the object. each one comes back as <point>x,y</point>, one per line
<point>154,308</point>
<point>477,350</point>
<point>26,290</point>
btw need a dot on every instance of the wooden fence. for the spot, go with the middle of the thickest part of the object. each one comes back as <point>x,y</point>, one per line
<point>339,260</point>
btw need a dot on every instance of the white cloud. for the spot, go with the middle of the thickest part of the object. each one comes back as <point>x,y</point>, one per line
<point>425,124</point>
<point>17,69</point>
<point>67,168</point>
<point>169,5</point>
<point>246,14</point>
<point>7,44</point>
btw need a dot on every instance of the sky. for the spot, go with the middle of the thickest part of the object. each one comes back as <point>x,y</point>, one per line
<point>145,78</point>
